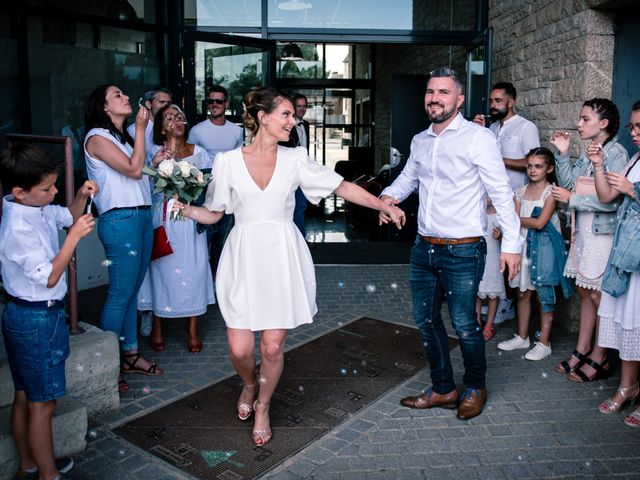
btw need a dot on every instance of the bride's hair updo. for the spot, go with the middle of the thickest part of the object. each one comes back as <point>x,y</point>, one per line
<point>261,99</point>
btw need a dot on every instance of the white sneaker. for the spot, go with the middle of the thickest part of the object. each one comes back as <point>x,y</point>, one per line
<point>515,343</point>
<point>538,352</point>
<point>506,311</point>
<point>146,323</point>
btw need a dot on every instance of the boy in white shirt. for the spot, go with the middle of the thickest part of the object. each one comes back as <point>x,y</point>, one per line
<point>34,326</point>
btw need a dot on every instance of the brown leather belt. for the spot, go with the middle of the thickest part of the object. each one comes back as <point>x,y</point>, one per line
<point>450,241</point>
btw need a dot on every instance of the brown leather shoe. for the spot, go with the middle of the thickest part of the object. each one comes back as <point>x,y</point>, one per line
<point>431,399</point>
<point>472,402</point>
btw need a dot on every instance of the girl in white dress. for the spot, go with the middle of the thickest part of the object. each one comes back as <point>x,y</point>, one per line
<point>619,318</point>
<point>265,279</point>
<point>179,285</point>
<point>491,286</point>
<point>595,223</point>
<point>537,193</point>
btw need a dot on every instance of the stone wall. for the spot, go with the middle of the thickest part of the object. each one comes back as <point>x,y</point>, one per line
<point>557,53</point>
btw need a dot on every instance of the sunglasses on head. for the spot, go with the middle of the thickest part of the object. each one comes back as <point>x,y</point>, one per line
<point>217,101</point>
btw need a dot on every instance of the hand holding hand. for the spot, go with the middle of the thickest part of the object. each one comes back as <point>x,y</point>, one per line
<point>480,120</point>
<point>560,194</point>
<point>620,183</point>
<point>561,139</point>
<point>496,234</point>
<point>383,217</point>
<point>595,153</point>
<point>83,226</point>
<point>511,261</point>
<point>392,214</point>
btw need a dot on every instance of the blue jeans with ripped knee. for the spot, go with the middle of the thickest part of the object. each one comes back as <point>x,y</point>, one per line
<point>451,272</point>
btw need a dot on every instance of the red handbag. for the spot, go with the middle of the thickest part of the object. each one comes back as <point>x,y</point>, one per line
<point>161,246</point>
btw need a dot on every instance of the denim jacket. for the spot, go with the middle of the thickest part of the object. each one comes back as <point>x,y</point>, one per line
<point>625,251</point>
<point>545,248</point>
<point>616,158</point>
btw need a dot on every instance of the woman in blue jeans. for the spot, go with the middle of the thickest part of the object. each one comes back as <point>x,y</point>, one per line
<point>125,227</point>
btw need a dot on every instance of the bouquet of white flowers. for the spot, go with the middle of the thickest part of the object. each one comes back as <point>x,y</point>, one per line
<point>178,178</point>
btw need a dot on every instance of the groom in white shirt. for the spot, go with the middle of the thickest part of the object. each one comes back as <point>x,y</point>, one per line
<point>454,164</point>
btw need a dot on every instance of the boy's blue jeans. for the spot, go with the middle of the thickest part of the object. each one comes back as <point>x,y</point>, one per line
<point>127,236</point>
<point>452,272</point>
<point>37,344</point>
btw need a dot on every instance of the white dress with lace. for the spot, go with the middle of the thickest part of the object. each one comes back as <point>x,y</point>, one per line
<point>591,252</point>
<point>522,280</point>
<point>620,317</point>
<point>179,285</point>
<point>492,283</point>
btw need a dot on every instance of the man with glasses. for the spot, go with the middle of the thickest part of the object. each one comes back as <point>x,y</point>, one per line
<point>454,164</point>
<point>153,100</point>
<point>217,135</point>
<point>516,136</point>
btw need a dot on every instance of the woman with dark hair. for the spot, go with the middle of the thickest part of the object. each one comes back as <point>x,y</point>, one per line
<point>189,262</point>
<point>619,319</point>
<point>265,279</point>
<point>598,122</point>
<point>115,163</point>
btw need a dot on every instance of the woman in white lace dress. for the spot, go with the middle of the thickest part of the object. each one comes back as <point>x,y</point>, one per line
<point>598,122</point>
<point>619,318</point>
<point>179,285</point>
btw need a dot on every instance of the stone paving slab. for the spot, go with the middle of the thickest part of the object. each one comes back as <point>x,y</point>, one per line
<point>536,423</point>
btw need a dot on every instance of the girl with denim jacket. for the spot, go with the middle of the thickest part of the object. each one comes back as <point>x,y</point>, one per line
<point>619,319</point>
<point>535,194</point>
<point>598,122</point>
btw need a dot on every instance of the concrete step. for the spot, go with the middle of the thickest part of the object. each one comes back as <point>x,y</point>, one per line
<point>69,434</point>
<point>91,371</point>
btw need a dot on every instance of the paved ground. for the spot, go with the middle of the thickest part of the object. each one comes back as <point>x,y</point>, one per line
<point>536,423</point>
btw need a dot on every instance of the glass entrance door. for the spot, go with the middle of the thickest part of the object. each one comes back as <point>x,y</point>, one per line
<point>237,63</point>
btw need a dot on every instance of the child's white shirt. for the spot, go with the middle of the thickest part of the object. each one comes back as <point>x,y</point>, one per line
<point>28,245</point>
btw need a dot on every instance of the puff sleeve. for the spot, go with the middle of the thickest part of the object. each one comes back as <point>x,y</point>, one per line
<point>219,196</point>
<point>316,181</point>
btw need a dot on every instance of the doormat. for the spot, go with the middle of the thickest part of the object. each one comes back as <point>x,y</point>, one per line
<point>325,381</point>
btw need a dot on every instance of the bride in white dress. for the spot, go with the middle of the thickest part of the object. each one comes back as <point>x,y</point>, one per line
<point>265,279</point>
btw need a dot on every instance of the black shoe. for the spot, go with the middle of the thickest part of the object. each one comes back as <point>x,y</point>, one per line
<point>63,465</point>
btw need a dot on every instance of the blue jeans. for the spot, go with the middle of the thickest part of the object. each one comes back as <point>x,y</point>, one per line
<point>127,236</point>
<point>298,211</point>
<point>453,272</point>
<point>37,345</point>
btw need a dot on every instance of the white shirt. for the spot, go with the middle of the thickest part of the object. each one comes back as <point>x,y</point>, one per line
<point>148,138</point>
<point>453,172</point>
<point>116,190</point>
<point>216,138</point>
<point>28,244</point>
<point>303,141</point>
<point>516,136</point>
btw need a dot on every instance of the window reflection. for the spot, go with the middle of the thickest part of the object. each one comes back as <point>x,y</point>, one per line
<point>9,84</point>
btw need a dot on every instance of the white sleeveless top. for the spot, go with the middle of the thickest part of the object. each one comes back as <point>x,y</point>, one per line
<point>116,190</point>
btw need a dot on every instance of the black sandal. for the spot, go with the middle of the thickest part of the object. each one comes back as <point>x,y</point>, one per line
<point>130,366</point>
<point>602,371</point>
<point>123,386</point>
<point>564,367</point>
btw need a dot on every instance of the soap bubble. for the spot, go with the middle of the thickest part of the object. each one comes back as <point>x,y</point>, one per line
<point>146,390</point>
<point>341,284</point>
<point>344,372</point>
<point>133,253</point>
<point>167,308</point>
<point>121,338</point>
<point>538,334</point>
<point>394,286</point>
<point>121,452</point>
<point>80,368</point>
<point>544,375</point>
<point>371,288</point>
<point>300,388</point>
<point>93,433</point>
<point>106,263</point>
<point>178,271</point>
